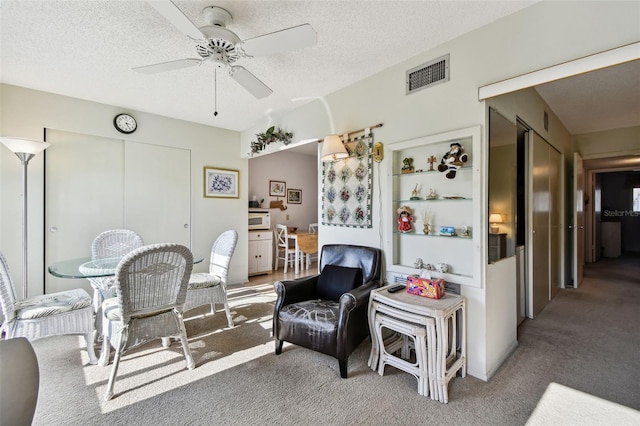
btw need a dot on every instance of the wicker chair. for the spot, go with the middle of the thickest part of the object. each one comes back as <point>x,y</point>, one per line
<point>151,287</point>
<point>211,288</point>
<point>54,314</point>
<point>109,244</point>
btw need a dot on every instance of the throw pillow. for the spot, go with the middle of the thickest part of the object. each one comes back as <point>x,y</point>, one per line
<point>335,280</point>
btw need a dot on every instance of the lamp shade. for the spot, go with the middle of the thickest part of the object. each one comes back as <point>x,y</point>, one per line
<point>27,146</point>
<point>495,218</point>
<point>333,149</point>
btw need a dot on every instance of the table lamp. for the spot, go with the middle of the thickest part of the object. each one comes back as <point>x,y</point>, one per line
<point>494,220</point>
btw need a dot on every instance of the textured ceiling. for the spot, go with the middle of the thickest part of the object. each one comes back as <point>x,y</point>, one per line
<point>599,100</point>
<point>87,49</point>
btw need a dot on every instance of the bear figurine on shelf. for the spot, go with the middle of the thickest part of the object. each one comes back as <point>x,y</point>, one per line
<point>453,160</point>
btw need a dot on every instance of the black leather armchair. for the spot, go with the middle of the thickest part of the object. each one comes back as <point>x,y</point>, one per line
<point>328,312</point>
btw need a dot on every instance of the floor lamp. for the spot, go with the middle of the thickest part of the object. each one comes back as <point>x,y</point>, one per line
<point>24,149</point>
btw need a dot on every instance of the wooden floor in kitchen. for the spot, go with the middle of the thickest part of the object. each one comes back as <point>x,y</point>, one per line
<point>279,275</point>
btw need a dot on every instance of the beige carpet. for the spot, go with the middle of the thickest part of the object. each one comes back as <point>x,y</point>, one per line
<point>585,339</point>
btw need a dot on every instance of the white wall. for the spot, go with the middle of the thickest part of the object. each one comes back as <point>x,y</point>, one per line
<point>545,34</point>
<point>25,113</point>
<point>610,143</point>
<point>298,171</point>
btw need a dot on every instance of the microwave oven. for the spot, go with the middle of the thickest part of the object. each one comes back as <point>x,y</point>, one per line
<point>259,219</point>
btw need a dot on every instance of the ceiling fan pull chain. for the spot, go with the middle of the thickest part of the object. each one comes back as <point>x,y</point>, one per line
<point>215,92</point>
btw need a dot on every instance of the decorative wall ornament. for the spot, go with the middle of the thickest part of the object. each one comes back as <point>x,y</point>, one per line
<point>272,135</point>
<point>346,186</point>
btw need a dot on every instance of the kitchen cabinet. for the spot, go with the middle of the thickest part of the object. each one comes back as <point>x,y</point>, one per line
<point>260,252</point>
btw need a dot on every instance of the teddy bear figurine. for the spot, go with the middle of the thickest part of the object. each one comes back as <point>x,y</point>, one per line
<point>453,160</point>
<point>405,219</point>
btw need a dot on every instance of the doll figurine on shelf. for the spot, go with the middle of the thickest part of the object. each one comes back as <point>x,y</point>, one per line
<point>405,218</point>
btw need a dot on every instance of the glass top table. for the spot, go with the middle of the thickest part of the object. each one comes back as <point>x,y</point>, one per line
<point>85,267</point>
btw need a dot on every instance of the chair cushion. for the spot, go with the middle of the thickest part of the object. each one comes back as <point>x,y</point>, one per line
<point>111,309</point>
<point>52,304</point>
<point>318,315</point>
<point>334,281</point>
<point>203,280</point>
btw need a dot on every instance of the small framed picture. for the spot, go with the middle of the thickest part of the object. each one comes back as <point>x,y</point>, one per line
<point>294,196</point>
<point>277,188</point>
<point>221,183</point>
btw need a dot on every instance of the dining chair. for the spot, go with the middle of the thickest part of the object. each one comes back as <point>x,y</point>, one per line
<point>211,287</point>
<point>285,247</point>
<point>53,314</point>
<point>151,288</point>
<point>111,243</point>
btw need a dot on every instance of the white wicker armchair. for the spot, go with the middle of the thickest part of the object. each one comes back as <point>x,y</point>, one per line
<point>211,287</point>
<point>109,244</point>
<point>151,287</point>
<point>54,314</point>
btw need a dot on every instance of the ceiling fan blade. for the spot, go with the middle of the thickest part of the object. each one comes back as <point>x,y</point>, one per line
<point>168,66</point>
<point>250,82</point>
<point>281,41</point>
<point>174,15</point>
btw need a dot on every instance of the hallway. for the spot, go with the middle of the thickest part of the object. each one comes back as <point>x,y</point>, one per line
<point>587,338</point>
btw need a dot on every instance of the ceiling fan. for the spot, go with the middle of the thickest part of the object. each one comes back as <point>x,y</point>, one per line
<point>217,45</point>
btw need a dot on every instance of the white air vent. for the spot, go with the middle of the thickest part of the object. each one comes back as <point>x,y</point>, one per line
<point>429,74</point>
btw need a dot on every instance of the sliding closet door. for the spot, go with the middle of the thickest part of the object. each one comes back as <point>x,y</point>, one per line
<point>555,230</point>
<point>94,184</point>
<point>539,210</point>
<point>84,177</point>
<point>157,192</point>
<point>543,233</point>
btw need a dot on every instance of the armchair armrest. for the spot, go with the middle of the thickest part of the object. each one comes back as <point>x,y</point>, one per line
<point>358,296</point>
<point>353,325</point>
<point>295,290</point>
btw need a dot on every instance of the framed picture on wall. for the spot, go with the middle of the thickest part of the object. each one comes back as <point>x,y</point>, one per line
<point>277,188</point>
<point>221,183</point>
<point>294,196</point>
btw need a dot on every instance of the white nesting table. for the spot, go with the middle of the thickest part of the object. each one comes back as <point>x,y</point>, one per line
<point>449,316</point>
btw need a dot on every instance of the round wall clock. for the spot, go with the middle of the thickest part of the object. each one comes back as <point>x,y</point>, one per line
<point>125,123</point>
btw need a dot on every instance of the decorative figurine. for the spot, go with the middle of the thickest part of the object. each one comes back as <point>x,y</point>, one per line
<point>415,194</point>
<point>407,165</point>
<point>453,160</point>
<point>465,231</point>
<point>404,219</point>
<point>427,216</point>
<point>418,264</point>
<point>442,267</point>
<point>432,159</point>
<point>432,195</point>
